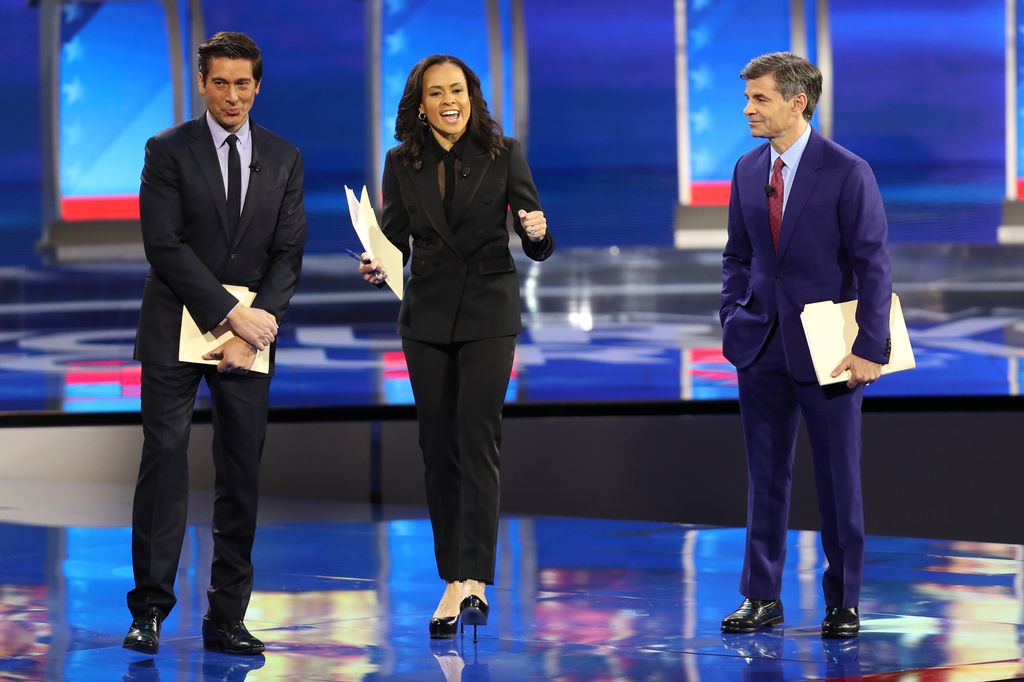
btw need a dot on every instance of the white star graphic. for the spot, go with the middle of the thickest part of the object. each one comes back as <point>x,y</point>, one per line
<point>72,50</point>
<point>701,78</point>
<point>394,43</point>
<point>72,134</point>
<point>72,174</point>
<point>73,91</point>
<point>394,85</point>
<point>701,120</point>
<point>700,37</point>
<point>702,161</point>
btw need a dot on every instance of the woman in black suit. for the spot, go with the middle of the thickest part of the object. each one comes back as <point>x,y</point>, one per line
<point>448,187</point>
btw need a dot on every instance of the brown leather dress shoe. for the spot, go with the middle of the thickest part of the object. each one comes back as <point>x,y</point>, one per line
<point>230,637</point>
<point>753,614</point>
<point>144,634</point>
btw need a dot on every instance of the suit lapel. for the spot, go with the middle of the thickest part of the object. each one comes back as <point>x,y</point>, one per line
<point>424,182</point>
<point>252,191</point>
<point>475,164</point>
<point>806,178</point>
<point>761,233</point>
<point>206,158</point>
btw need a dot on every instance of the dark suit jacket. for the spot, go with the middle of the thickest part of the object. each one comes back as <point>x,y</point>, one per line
<point>832,247</point>
<point>184,218</point>
<point>463,284</point>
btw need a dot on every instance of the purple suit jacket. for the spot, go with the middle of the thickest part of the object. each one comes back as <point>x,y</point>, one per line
<point>832,247</point>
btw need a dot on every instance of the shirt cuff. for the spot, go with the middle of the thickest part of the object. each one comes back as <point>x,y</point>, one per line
<point>225,320</point>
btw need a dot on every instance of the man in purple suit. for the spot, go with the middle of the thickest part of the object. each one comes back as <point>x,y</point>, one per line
<point>806,224</point>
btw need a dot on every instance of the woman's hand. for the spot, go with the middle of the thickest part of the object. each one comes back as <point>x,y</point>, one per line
<point>535,224</point>
<point>373,271</point>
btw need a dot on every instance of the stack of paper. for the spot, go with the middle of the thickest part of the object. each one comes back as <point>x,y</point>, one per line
<point>375,244</point>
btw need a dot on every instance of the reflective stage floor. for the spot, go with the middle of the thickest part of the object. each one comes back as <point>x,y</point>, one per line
<point>637,324</point>
<point>344,592</point>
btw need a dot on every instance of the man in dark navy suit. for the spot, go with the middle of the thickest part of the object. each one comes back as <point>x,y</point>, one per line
<point>221,203</point>
<point>806,224</point>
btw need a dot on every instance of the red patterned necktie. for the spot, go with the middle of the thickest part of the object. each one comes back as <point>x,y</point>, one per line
<point>775,202</point>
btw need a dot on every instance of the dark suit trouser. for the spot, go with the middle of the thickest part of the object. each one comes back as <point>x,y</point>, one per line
<point>771,403</point>
<point>160,510</point>
<point>459,390</point>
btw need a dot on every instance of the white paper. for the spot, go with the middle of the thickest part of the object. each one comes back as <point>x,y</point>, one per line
<point>373,240</point>
<point>831,328</point>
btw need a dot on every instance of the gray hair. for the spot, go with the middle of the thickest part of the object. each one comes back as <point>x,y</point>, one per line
<point>793,75</point>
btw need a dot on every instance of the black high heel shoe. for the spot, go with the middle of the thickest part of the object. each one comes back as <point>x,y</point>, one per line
<point>443,628</point>
<point>473,611</point>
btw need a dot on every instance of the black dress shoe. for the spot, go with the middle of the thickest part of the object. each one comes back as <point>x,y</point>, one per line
<point>840,622</point>
<point>753,614</point>
<point>231,637</point>
<point>473,611</point>
<point>443,628</point>
<point>144,634</point>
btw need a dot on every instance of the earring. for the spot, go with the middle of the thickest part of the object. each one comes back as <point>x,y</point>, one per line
<point>422,118</point>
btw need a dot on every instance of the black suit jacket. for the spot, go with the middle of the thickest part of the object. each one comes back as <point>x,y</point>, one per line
<point>184,231</point>
<point>462,284</point>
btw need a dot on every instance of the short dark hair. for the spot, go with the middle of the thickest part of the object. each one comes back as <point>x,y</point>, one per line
<point>413,135</point>
<point>793,75</point>
<point>233,46</point>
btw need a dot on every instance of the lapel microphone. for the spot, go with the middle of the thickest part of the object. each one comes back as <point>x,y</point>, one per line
<point>768,190</point>
<point>254,166</point>
<point>464,172</point>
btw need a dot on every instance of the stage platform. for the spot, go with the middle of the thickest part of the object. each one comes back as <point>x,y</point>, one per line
<point>344,592</point>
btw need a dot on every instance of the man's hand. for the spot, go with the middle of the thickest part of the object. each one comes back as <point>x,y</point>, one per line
<point>535,224</point>
<point>254,326</point>
<point>235,355</point>
<point>861,371</point>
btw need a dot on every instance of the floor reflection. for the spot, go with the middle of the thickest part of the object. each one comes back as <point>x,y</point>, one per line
<point>340,596</point>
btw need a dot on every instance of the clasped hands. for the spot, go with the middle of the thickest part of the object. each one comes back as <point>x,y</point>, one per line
<point>861,371</point>
<point>254,330</point>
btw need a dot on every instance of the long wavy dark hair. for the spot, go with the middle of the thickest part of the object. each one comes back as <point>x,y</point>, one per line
<point>413,135</point>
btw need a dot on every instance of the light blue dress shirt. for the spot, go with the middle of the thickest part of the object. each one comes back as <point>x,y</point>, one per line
<point>791,157</point>
<point>220,143</point>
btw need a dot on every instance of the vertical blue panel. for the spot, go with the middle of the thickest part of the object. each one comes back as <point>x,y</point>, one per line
<point>722,37</point>
<point>919,94</point>
<point>1019,32</point>
<point>115,92</point>
<point>414,29</point>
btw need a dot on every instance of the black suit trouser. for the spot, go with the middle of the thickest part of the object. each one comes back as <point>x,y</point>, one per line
<point>459,389</point>
<point>160,510</point>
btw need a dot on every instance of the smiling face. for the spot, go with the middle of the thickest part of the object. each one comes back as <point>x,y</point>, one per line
<point>229,90</point>
<point>446,102</point>
<point>770,115</point>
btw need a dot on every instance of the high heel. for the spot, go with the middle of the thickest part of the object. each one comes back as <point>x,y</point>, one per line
<point>443,628</point>
<point>473,611</point>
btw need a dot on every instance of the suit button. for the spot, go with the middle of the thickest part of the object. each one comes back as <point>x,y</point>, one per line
<point>234,256</point>
<point>778,278</point>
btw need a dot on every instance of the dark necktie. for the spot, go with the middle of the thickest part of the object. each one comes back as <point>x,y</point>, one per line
<point>775,202</point>
<point>234,186</point>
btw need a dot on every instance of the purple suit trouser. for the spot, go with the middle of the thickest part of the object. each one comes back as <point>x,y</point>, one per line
<point>771,403</point>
